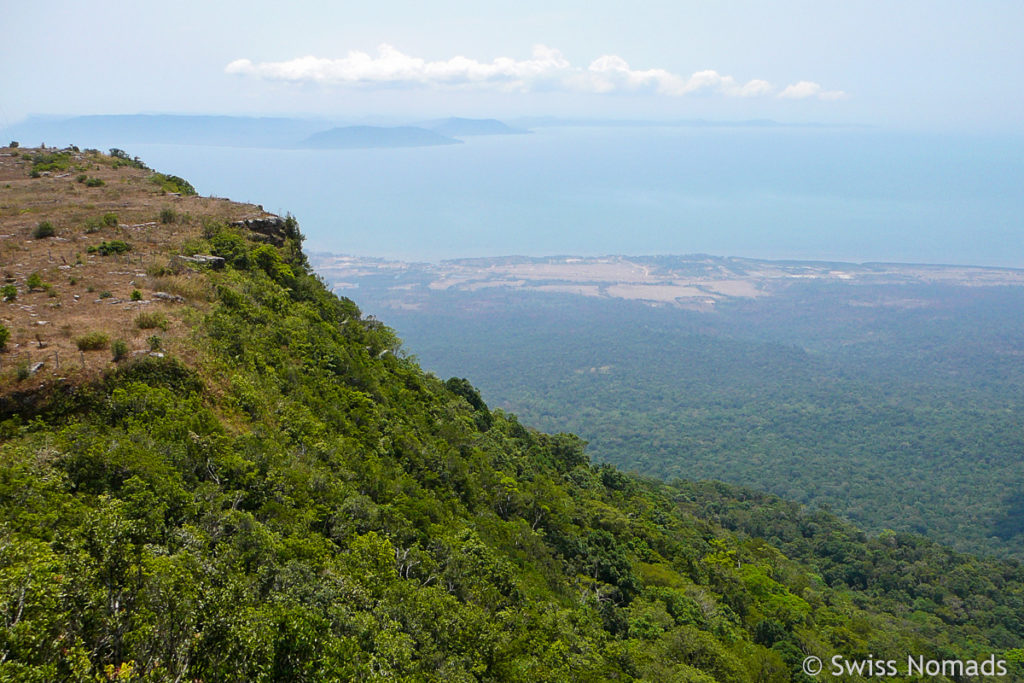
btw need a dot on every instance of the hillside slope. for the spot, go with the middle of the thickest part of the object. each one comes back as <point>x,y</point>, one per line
<point>263,486</point>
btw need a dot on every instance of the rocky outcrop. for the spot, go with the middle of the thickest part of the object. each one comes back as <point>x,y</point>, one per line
<point>215,262</point>
<point>271,229</point>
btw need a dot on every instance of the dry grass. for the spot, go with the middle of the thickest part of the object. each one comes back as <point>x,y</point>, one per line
<point>187,286</point>
<point>44,324</point>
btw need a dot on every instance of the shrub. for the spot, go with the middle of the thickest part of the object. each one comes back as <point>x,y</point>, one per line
<point>105,294</point>
<point>23,372</point>
<point>123,159</point>
<point>43,230</point>
<point>194,245</point>
<point>232,247</point>
<point>14,144</point>
<point>9,292</point>
<point>119,349</point>
<point>269,259</point>
<point>157,270</point>
<point>81,177</point>
<point>5,335</point>
<point>92,341</point>
<point>155,342</point>
<point>34,281</point>
<point>213,227</point>
<point>53,161</point>
<point>168,215</point>
<point>111,247</point>
<point>151,320</point>
<point>110,219</point>
<point>173,183</point>
<point>136,295</point>
<point>94,182</point>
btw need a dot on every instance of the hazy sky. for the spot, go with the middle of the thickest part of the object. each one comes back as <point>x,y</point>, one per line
<point>920,64</point>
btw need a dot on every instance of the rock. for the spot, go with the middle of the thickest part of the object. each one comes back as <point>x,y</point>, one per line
<point>271,229</point>
<point>214,262</point>
<point>36,367</point>
<point>164,296</point>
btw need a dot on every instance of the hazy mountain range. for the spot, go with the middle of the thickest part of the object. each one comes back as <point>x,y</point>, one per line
<point>245,131</point>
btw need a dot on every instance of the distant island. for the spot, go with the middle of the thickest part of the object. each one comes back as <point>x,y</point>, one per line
<point>116,130</point>
<point>459,127</point>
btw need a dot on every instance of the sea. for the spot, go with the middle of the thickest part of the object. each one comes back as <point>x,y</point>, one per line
<point>854,194</point>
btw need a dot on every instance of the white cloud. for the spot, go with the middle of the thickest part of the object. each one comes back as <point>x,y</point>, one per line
<point>546,69</point>
<point>806,89</point>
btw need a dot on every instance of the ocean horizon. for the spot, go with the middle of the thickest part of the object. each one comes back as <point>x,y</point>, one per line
<point>792,193</point>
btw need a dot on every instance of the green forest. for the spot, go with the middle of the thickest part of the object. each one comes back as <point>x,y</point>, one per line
<point>288,496</point>
<point>902,418</point>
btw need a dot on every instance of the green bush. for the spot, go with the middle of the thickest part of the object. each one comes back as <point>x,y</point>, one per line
<point>9,292</point>
<point>105,294</point>
<point>34,281</point>
<point>269,259</point>
<point>5,335</point>
<point>92,341</point>
<point>123,159</point>
<point>155,342</point>
<point>43,230</point>
<point>173,183</point>
<point>168,215</point>
<point>110,219</point>
<point>111,247</point>
<point>136,295</point>
<point>14,144</point>
<point>94,182</point>
<point>81,177</point>
<point>119,349</point>
<point>213,227</point>
<point>149,320</point>
<point>50,161</point>
<point>232,247</point>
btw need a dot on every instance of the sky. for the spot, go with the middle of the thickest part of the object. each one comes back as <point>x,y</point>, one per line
<point>930,65</point>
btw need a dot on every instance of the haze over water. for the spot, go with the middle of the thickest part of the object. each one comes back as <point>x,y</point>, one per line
<point>849,194</point>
